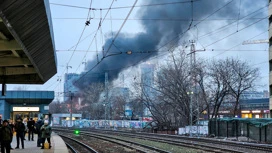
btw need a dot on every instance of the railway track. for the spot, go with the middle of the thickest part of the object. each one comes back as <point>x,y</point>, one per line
<point>238,145</point>
<point>204,146</point>
<point>125,143</point>
<point>72,149</point>
<point>70,142</point>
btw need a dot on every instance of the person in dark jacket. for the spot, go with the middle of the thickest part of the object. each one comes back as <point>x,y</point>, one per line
<point>30,126</point>
<point>1,121</point>
<point>20,129</point>
<point>6,137</point>
<point>46,133</point>
<point>37,127</point>
<point>12,126</point>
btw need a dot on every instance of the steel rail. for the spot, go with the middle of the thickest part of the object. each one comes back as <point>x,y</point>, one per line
<point>80,143</point>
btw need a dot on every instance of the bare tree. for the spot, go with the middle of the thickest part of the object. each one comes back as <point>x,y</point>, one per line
<point>218,72</point>
<point>203,92</point>
<point>57,107</point>
<point>118,105</point>
<point>54,107</point>
<point>242,77</point>
<point>168,100</point>
<point>91,106</point>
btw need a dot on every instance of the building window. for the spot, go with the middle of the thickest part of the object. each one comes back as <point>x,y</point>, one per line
<point>270,87</point>
<point>270,65</point>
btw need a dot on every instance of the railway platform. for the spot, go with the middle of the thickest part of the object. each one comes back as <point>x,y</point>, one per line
<point>58,145</point>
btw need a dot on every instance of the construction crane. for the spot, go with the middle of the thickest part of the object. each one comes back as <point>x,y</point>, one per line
<point>260,41</point>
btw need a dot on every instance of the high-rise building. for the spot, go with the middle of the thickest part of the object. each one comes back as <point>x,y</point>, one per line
<point>254,95</point>
<point>69,79</point>
<point>147,80</point>
<point>147,77</point>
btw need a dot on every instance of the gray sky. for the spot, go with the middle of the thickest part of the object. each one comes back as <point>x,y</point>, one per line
<point>220,27</point>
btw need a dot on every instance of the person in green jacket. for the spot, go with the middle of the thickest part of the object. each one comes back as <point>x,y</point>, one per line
<point>6,137</point>
<point>46,133</point>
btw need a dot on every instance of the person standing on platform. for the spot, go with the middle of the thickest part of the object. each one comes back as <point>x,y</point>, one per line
<point>20,129</point>
<point>46,133</point>
<point>37,127</point>
<point>6,137</point>
<point>12,126</point>
<point>30,126</point>
<point>26,129</point>
<point>1,121</point>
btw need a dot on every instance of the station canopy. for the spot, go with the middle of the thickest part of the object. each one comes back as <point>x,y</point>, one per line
<point>27,52</point>
<point>27,98</point>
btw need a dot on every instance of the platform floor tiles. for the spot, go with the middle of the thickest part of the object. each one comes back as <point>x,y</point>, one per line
<point>58,146</point>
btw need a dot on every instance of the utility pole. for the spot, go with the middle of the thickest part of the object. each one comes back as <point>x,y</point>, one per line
<point>71,108</point>
<point>107,94</point>
<point>193,87</point>
<point>142,101</point>
<point>66,83</point>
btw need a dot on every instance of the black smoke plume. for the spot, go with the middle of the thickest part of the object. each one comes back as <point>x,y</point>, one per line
<point>159,32</point>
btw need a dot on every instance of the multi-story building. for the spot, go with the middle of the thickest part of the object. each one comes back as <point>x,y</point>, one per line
<point>147,80</point>
<point>255,108</point>
<point>68,84</point>
<point>255,94</point>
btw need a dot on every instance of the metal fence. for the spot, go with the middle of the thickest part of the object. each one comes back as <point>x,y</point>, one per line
<point>241,128</point>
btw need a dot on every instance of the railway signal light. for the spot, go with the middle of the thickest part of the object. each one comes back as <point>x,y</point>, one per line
<point>76,132</point>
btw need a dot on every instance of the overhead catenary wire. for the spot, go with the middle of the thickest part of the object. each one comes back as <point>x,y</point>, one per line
<point>99,27</point>
<point>214,12</point>
<point>78,39</point>
<point>240,44</point>
<point>233,33</point>
<point>238,15</point>
<point>174,39</point>
<point>145,57</point>
<point>166,52</point>
<point>88,18</point>
<point>152,51</point>
<point>125,7</point>
<point>116,35</point>
<point>161,19</point>
<point>232,23</point>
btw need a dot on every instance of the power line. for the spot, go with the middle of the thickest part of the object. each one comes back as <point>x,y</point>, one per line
<point>80,35</point>
<point>89,35</point>
<point>234,33</point>
<point>79,40</point>
<point>124,7</point>
<point>174,39</point>
<point>94,38</point>
<point>82,40</point>
<point>214,12</point>
<point>241,43</point>
<point>152,51</point>
<point>232,23</point>
<point>116,35</point>
<point>162,19</point>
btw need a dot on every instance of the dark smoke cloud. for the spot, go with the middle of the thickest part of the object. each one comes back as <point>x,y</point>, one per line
<point>157,33</point>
